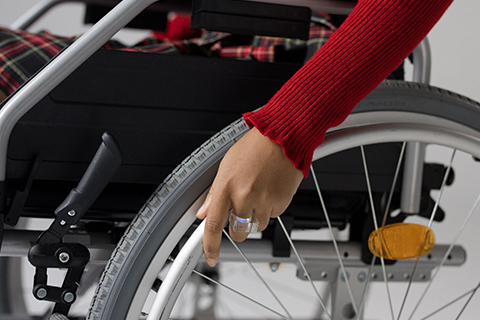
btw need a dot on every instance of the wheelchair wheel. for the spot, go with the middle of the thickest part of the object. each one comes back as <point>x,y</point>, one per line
<point>157,270</point>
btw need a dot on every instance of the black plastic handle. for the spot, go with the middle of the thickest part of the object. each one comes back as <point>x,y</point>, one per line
<point>99,173</point>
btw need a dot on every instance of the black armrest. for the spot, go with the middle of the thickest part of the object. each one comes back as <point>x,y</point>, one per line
<point>152,18</point>
<point>252,18</point>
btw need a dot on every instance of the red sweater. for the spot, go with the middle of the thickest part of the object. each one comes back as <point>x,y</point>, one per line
<point>376,37</point>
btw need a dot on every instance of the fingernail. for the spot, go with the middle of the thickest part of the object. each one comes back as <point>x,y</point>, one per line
<point>200,212</point>
<point>212,262</point>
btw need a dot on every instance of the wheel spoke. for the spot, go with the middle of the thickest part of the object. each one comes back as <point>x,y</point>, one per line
<point>447,253</point>
<point>364,293</point>
<point>434,211</point>
<point>468,301</point>
<point>387,210</point>
<point>408,287</point>
<point>395,178</point>
<point>451,302</point>
<point>327,218</point>
<point>322,303</point>
<point>257,273</point>
<point>444,183</point>
<point>239,293</point>
<point>374,216</point>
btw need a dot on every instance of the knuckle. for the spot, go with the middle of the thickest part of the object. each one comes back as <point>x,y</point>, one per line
<point>243,195</point>
<point>213,226</point>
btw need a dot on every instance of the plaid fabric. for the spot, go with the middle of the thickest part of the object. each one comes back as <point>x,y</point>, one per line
<point>270,49</point>
<point>22,53</point>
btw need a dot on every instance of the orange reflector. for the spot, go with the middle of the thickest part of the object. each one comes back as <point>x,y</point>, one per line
<point>399,241</point>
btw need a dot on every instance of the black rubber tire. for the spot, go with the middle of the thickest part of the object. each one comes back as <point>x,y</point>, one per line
<point>191,178</point>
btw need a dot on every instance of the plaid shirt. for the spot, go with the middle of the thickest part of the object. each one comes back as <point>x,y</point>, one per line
<point>23,53</point>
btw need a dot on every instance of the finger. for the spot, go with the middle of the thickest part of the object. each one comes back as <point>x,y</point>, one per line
<point>237,236</point>
<point>203,210</point>
<point>215,222</point>
<point>279,210</point>
<point>262,217</point>
<point>242,209</point>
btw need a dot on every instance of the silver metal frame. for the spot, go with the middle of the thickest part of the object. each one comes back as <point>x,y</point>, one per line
<point>415,151</point>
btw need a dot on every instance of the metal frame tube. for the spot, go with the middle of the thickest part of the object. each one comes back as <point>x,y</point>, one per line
<point>412,177</point>
<point>415,152</point>
<point>422,62</point>
<point>60,68</point>
<point>32,15</point>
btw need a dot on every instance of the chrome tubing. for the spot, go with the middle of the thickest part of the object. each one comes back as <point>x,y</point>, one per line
<point>415,151</point>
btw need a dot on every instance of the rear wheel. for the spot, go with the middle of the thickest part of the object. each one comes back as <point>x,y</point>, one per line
<point>394,113</point>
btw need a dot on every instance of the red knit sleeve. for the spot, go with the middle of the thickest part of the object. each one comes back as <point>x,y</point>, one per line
<point>376,37</point>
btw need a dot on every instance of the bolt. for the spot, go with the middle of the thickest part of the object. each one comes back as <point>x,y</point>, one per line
<point>72,213</point>
<point>68,297</point>
<point>41,293</point>
<point>62,223</point>
<point>362,276</point>
<point>63,257</point>
<point>274,266</point>
<point>324,274</point>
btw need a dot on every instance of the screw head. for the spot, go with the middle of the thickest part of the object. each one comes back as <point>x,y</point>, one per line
<point>362,276</point>
<point>63,257</point>
<point>274,266</point>
<point>68,297</point>
<point>72,213</point>
<point>41,293</point>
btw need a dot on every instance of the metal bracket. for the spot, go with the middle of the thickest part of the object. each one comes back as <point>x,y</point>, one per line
<point>342,308</point>
<point>50,251</point>
<point>73,256</point>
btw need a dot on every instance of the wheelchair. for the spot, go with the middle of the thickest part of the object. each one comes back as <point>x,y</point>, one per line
<point>126,219</point>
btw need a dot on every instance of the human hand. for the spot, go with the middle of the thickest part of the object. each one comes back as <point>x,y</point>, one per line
<point>255,176</point>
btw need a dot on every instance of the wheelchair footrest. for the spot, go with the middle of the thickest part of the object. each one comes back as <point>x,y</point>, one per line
<point>251,18</point>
